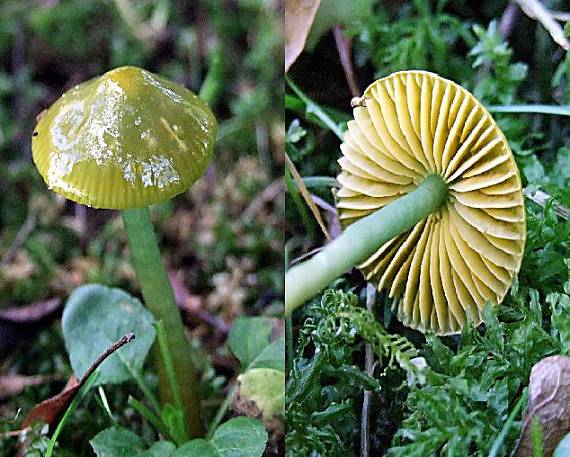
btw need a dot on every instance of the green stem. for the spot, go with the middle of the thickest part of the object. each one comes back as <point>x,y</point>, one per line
<point>169,365</point>
<point>360,240</point>
<point>159,298</point>
<point>222,410</point>
<point>213,83</point>
<point>151,417</point>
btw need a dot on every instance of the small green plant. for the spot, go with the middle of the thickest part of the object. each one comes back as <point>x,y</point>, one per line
<point>500,78</point>
<point>95,316</point>
<point>470,393</point>
<point>325,385</point>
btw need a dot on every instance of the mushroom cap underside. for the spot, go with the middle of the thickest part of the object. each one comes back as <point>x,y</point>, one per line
<point>126,139</point>
<point>441,272</point>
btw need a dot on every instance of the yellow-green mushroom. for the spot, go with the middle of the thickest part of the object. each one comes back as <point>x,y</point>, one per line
<point>432,203</point>
<point>126,140</point>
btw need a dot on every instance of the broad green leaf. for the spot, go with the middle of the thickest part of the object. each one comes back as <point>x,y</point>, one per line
<point>249,340</point>
<point>159,449</point>
<point>96,316</point>
<point>266,388</point>
<point>196,448</point>
<point>273,356</point>
<point>117,442</point>
<point>120,442</point>
<point>240,437</point>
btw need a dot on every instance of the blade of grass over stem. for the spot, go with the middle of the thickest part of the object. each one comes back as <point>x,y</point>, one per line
<point>295,104</point>
<point>69,411</point>
<point>557,110</point>
<point>313,108</point>
<point>152,418</point>
<point>169,365</point>
<point>306,196</point>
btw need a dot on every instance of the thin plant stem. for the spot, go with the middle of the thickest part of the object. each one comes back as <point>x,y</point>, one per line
<point>151,417</point>
<point>288,318</point>
<point>289,334</point>
<point>222,410</point>
<point>142,385</point>
<point>362,239</point>
<point>369,367</point>
<point>159,298</point>
<point>105,404</point>
<point>557,110</point>
<point>213,83</point>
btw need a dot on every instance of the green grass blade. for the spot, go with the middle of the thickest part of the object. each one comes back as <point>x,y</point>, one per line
<point>557,110</point>
<point>313,108</point>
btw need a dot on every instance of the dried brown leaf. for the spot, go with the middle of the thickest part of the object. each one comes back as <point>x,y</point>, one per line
<point>50,410</point>
<point>307,196</point>
<point>549,403</point>
<point>299,17</point>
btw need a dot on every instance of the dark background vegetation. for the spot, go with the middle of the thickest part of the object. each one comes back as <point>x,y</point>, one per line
<point>504,57</point>
<point>223,239</point>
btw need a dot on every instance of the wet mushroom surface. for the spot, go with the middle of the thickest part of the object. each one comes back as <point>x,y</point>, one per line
<point>129,138</point>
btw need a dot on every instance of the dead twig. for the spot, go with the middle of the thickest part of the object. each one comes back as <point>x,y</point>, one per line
<point>541,198</point>
<point>25,231</point>
<point>332,218</point>
<point>306,196</point>
<point>192,304</point>
<point>32,313</point>
<point>267,195</point>
<point>508,19</point>
<point>343,46</point>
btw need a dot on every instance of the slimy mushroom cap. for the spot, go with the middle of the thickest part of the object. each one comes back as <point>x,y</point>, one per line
<point>126,139</point>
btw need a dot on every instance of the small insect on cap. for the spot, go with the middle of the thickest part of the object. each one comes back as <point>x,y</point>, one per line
<point>126,139</point>
<point>410,125</point>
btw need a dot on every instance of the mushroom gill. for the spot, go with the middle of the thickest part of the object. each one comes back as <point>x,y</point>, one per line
<point>407,126</point>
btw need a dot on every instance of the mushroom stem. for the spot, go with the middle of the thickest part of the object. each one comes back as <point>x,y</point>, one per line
<point>361,239</point>
<point>159,298</point>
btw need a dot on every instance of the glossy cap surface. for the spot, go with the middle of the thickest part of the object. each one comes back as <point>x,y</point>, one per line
<point>410,125</point>
<point>126,139</point>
